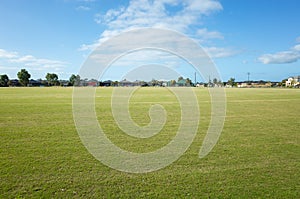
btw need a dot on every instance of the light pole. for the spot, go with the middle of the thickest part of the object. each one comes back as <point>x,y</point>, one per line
<point>248,77</point>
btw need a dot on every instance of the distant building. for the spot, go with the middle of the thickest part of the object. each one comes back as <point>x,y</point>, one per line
<point>293,82</point>
<point>255,84</point>
<point>180,83</point>
<point>106,83</point>
<point>129,83</point>
<point>33,82</point>
<point>200,85</point>
<point>14,82</point>
<point>228,85</point>
<point>92,83</point>
<point>242,85</point>
<point>64,83</point>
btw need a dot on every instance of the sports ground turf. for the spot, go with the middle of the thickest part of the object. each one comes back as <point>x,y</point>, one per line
<point>257,155</point>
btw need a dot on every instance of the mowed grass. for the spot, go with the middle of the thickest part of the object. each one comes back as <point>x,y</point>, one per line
<point>257,155</point>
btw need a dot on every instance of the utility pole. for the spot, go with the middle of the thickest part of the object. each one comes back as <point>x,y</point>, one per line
<point>248,77</point>
<point>195,78</point>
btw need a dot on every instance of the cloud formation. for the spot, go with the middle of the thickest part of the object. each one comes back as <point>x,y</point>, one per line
<point>216,52</point>
<point>7,54</point>
<point>179,15</point>
<point>31,61</point>
<point>83,8</point>
<point>283,57</point>
<point>158,13</point>
<point>204,34</point>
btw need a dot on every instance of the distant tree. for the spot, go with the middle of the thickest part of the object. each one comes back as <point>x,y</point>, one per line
<point>231,82</point>
<point>72,80</point>
<point>283,82</point>
<point>293,82</point>
<point>77,81</point>
<point>220,83</point>
<point>180,78</point>
<point>9,83</point>
<point>215,81</point>
<point>209,84</point>
<point>52,79</point>
<point>160,83</point>
<point>4,80</point>
<point>154,82</point>
<point>144,84</point>
<point>173,82</point>
<point>114,83</point>
<point>24,76</point>
<point>188,82</point>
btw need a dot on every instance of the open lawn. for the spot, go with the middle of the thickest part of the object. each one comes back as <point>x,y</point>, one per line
<point>257,155</point>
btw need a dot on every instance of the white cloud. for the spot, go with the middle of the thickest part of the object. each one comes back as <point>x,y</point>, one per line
<point>283,57</point>
<point>109,16</point>
<point>280,57</point>
<point>204,34</point>
<point>203,6</point>
<point>216,52</point>
<point>7,54</point>
<point>6,68</point>
<point>83,8</point>
<point>31,61</point>
<point>104,37</point>
<point>155,13</point>
<point>297,47</point>
<point>23,59</point>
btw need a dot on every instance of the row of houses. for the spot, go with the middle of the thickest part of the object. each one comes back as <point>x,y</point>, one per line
<point>127,83</point>
<point>290,82</point>
<point>257,84</point>
<point>32,82</point>
<point>107,83</point>
<point>185,83</point>
<point>38,83</point>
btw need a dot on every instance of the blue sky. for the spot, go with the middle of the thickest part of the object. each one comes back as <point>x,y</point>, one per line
<point>260,37</point>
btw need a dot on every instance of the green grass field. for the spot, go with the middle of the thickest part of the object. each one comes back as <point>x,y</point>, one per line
<point>257,155</point>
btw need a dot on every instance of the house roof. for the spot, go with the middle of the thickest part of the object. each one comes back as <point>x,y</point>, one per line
<point>182,81</point>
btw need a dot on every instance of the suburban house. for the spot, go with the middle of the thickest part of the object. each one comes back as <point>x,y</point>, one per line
<point>180,83</point>
<point>126,83</point>
<point>92,83</point>
<point>243,85</point>
<point>14,82</point>
<point>33,82</point>
<point>106,83</point>
<point>293,82</point>
<point>201,85</point>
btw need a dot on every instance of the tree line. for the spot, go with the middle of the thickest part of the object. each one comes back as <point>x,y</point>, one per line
<point>51,79</point>
<point>24,79</point>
